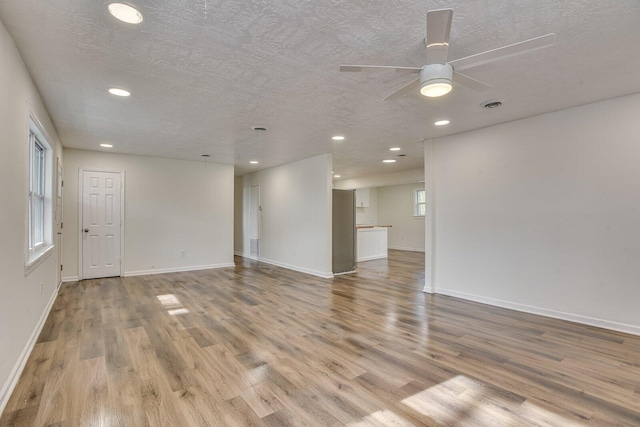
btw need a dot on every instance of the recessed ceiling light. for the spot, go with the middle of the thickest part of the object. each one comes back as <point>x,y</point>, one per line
<point>336,176</point>
<point>388,161</point>
<point>106,145</point>
<point>442,122</point>
<point>338,138</point>
<point>394,149</point>
<point>126,13</point>
<point>254,162</point>
<point>119,92</point>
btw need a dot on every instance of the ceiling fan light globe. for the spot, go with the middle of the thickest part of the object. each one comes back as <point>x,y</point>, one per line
<point>435,80</point>
<point>436,88</point>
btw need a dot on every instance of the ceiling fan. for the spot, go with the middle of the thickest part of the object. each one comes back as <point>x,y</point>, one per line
<point>435,78</point>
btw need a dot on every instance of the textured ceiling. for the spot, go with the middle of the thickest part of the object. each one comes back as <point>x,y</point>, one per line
<point>202,73</point>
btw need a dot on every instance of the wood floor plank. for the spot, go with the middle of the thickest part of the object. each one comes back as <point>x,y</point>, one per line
<point>257,345</point>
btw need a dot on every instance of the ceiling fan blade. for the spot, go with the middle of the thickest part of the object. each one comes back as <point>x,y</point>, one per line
<point>503,52</point>
<point>469,82</point>
<point>438,32</point>
<point>413,85</point>
<point>358,68</point>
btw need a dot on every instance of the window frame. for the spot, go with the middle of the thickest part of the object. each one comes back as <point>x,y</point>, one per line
<point>37,172</point>
<point>417,203</point>
<point>39,196</point>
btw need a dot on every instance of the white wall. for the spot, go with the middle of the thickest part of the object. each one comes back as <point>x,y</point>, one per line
<point>23,306</point>
<point>543,214</point>
<point>295,223</point>
<point>394,178</point>
<point>368,215</point>
<point>395,208</point>
<point>170,205</point>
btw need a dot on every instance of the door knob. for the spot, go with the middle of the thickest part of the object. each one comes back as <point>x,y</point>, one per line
<point>86,230</point>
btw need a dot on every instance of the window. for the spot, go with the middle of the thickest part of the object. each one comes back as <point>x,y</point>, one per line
<point>36,193</point>
<point>419,203</point>
<point>38,233</point>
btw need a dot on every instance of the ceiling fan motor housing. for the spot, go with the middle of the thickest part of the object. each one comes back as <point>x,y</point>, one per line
<point>436,73</point>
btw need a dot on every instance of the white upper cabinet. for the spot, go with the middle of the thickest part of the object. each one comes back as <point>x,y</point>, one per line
<point>362,197</point>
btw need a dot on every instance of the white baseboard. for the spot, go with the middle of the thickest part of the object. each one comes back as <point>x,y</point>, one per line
<point>402,248</point>
<point>11,382</point>
<point>70,279</point>
<point>578,318</point>
<point>370,258</point>
<point>177,269</point>
<point>344,272</point>
<point>324,275</point>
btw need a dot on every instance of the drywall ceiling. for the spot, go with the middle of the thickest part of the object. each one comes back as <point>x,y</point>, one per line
<point>203,72</point>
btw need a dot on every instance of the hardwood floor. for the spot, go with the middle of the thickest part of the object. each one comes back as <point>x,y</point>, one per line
<point>261,345</point>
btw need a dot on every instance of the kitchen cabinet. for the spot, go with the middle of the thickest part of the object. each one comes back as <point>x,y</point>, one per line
<point>362,198</point>
<point>372,243</point>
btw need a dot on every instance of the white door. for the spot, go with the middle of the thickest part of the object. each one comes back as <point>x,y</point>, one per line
<point>254,220</point>
<point>101,224</point>
<point>58,218</point>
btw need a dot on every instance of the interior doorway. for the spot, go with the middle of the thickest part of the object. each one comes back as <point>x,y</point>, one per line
<point>58,217</point>
<point>101,220</point>
<point>254,220</point>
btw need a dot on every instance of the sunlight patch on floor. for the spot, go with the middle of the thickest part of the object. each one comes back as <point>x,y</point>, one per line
<point>172,304</point>
<point>464,401</point>
<point>384,417</point>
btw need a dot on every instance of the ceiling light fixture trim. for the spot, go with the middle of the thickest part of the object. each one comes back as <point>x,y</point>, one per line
<point>442,122</point>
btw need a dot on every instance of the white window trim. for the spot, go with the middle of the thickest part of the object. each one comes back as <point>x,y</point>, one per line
<point>416,204</point>
<point>35,256</point>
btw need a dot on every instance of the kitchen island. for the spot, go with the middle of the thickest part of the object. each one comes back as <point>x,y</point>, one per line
<point>371,242</point>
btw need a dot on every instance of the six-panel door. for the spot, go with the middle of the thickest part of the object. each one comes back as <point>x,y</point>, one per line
<point>101,224</point>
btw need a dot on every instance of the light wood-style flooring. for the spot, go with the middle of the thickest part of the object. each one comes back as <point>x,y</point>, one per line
<point>260,345</point>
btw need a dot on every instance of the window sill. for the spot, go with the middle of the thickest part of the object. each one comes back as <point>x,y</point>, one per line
<point>37,258</point>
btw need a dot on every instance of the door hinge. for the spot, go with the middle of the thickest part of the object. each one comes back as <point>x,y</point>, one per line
<point>61,225</point>
<point>60,267</point>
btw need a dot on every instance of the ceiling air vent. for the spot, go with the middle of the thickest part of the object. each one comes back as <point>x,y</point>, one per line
<point>491,104</point>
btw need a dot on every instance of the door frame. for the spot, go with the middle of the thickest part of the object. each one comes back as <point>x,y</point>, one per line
<point>59,217</point>
<point>81,172</point>
<point>246,216</point>
<point>258,211</point>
